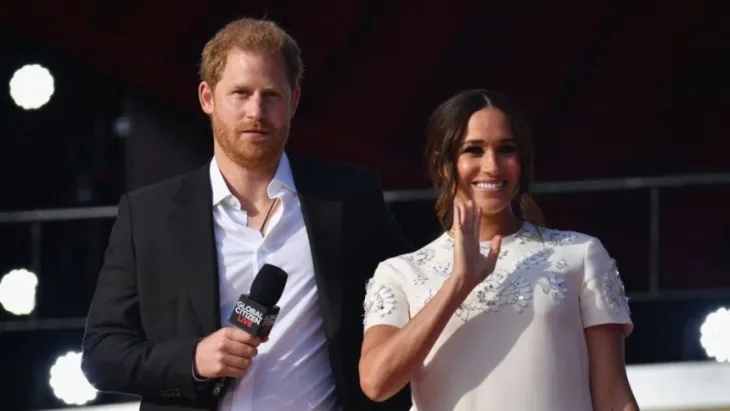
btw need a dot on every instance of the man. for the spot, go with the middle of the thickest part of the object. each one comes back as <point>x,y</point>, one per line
<point>182,251</point>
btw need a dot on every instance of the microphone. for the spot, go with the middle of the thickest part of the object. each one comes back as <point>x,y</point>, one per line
<point>257,311</point>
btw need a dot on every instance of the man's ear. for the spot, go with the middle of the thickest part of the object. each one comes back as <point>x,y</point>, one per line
<point>205,96</point>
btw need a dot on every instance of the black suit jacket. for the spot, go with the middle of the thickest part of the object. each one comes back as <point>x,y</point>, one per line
<point>157,292</point>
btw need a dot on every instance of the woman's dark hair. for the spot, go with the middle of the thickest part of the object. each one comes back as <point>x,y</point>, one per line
<point>445,131</point>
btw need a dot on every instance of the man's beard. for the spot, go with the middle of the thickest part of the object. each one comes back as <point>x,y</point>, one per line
<point>245,152</point>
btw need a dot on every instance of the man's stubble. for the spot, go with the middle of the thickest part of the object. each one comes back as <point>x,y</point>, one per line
<point>246,153</point>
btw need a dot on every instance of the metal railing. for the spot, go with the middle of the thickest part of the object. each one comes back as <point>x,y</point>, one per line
<point>652,184</point>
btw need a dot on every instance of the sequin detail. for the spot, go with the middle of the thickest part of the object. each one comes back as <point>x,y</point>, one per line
<point>498,291</point>
<point>484,249</point>
<point>425,257</point>
<point>420,278</point>
<point>528,233</point>
<point>533,260</point>
<point>613,290</point>
<point>559,237</point>
<point>379,300</point>
<point>442,268</point>
<point>553,285</point>
<point>422,256</point>
<point>538,267</point>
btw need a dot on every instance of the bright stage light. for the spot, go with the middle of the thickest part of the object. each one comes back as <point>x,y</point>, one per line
<point>31,86</point>
<point>715,335</point>
<point>17,292</point>
<point>68,381</point>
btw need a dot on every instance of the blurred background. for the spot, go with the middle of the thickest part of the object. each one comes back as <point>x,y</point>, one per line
<point>628,102</point>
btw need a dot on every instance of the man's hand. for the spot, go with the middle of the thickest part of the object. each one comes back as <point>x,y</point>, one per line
<point>225,353</point>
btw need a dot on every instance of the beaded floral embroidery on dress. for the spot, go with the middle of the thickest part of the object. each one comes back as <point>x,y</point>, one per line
<point>533,259</point>
<point>484,249</point>
<point>527,233</point>
<point>512,287</point>
<point>613,289</point>
<point>441,268</point>
<point>558,237</point>
<point>508,289</point>
<point>499,290</point>
<point>502,288</point>
<point>379,300</point>
<point>554,285</point>
<point>422,257</point>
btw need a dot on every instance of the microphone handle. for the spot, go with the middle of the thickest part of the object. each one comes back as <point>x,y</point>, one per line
<point>261,329</point>
<point>221,385</point>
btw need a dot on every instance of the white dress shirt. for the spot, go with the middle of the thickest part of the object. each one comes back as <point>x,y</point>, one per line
<point>292,370</point>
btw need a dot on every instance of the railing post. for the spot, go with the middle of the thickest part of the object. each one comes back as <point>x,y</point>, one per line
<point>654,241</point>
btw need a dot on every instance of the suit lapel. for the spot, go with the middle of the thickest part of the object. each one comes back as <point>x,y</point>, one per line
<point>193,226</point>
<point>322,212</point>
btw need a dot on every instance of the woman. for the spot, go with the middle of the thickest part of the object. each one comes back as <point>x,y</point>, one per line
<point>497,313</point>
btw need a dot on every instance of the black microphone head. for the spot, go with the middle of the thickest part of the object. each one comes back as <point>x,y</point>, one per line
<point>268,285</point>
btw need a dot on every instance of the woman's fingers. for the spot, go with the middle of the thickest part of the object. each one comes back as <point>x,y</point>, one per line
<point>457,225</point>
<point>476,222</point>
<point>467,217</point>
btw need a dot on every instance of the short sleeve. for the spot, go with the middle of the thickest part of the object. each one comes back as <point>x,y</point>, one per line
<point>602,297</point>
<point>385,299</point>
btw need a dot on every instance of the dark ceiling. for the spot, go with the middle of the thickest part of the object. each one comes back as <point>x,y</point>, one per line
<point>612,88</point>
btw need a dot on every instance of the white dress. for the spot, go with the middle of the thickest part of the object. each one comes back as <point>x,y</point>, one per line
<point>517,342</point>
